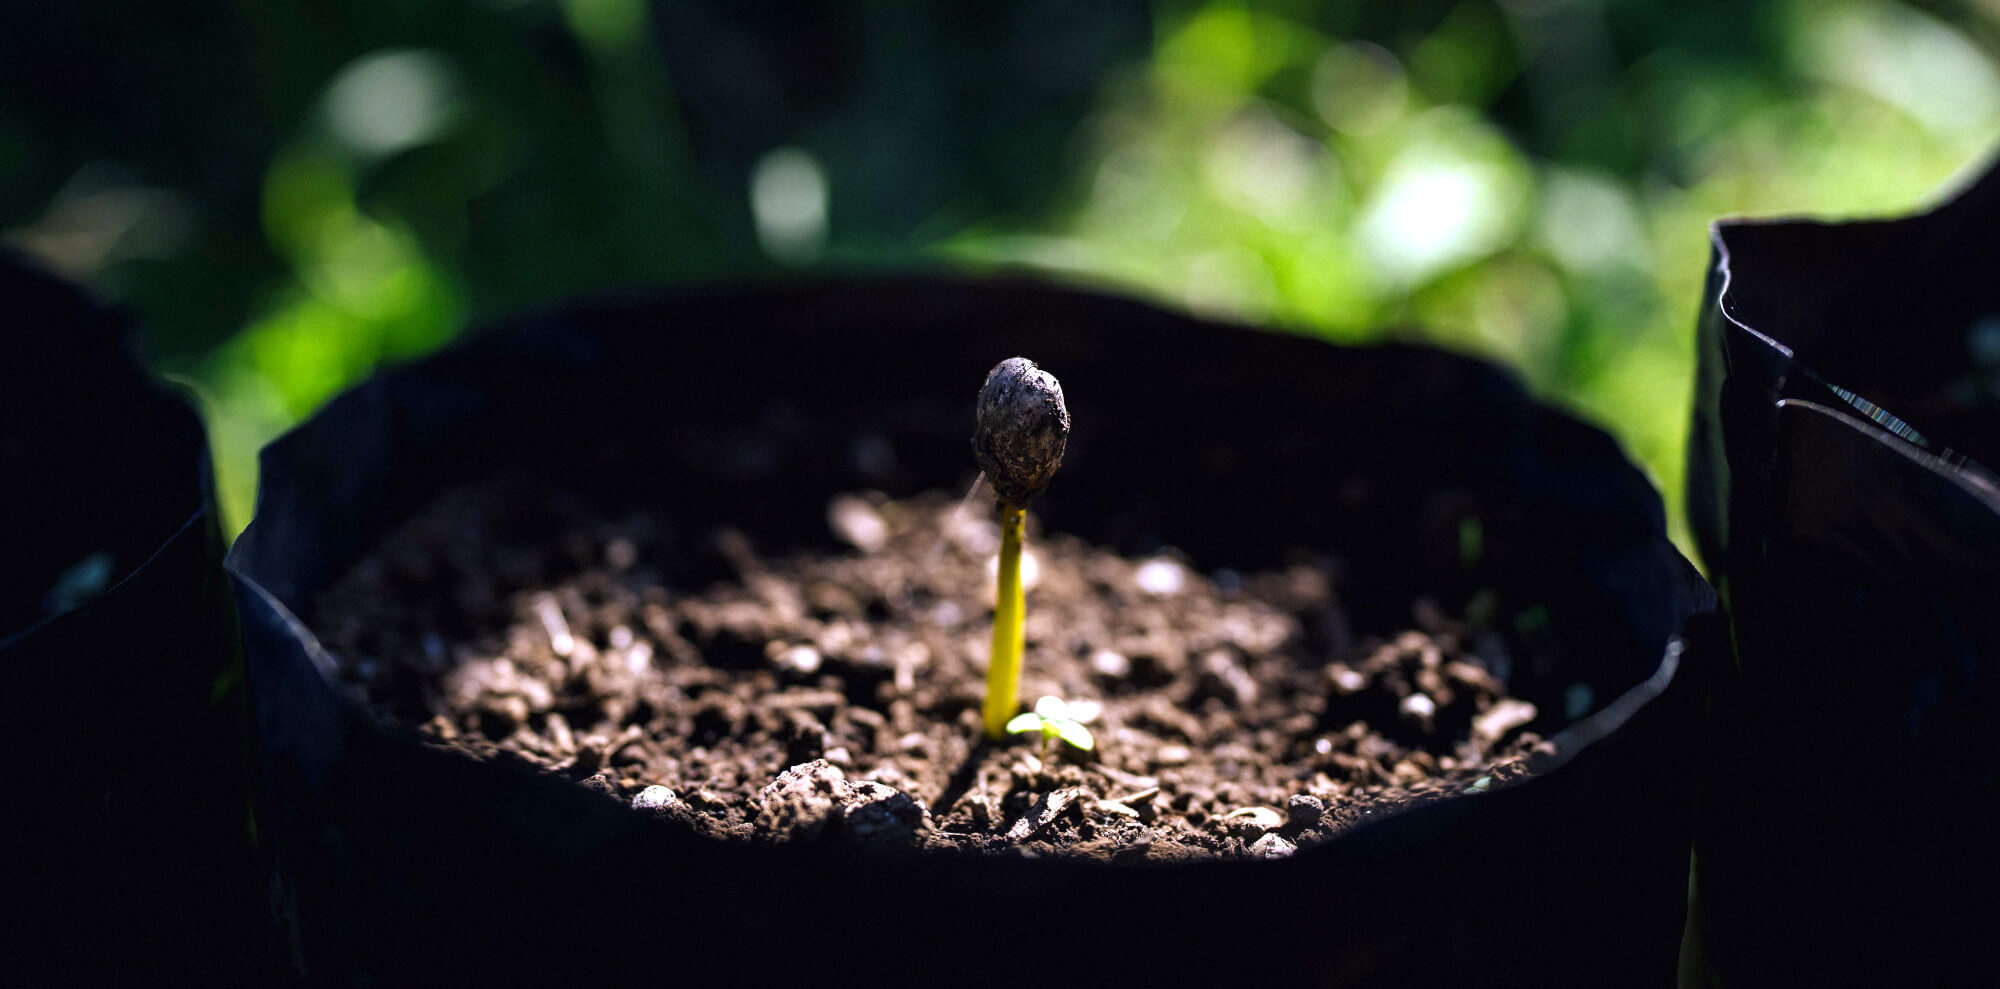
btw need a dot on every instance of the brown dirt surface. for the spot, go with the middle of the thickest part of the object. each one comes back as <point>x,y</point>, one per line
<point>834,694</point>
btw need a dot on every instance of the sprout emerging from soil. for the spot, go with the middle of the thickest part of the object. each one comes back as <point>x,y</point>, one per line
<point>1022,428</point>
<point>1053,719</point>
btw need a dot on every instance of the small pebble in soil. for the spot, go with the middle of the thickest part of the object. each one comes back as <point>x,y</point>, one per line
<point>858,523</point>
<point>1272,846</point>
<point>656,799</point>
<point>803,660</point>
<point>1160,577</point>
<point>1419,710</point>
<point>1110,665</point>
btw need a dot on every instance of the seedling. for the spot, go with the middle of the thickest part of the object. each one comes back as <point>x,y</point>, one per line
<point>1022,428</point>
<point>1053,719</point>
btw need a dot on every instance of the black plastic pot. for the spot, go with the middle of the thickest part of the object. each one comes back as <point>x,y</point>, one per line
<point>125,720</point>
<point>401,863</point>
<point>1848,402</point>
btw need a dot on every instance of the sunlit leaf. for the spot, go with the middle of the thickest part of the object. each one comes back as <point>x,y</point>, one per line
<point>1077,735</point>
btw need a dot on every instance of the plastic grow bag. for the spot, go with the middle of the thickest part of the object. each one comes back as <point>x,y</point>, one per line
<point>401,863</point>
<point>125,719</point>
<point>1847,413</point>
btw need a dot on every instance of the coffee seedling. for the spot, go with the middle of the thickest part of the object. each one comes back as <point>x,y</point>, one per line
<point>1022,428</point>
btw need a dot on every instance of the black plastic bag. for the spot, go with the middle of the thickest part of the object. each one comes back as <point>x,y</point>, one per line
<point>402,863</point>
<point>125,721</point>
<point>1847,408</point>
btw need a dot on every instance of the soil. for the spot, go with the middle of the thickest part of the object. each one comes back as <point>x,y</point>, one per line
<point>834,693</point>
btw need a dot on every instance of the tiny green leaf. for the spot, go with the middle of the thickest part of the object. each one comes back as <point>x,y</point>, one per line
<point>1051,718</point>
<point>1077,735</point>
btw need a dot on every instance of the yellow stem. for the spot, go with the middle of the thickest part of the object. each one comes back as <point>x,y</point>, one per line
<point>1003,669</point>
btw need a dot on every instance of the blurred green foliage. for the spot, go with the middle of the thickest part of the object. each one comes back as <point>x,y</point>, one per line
<point>289,194</point>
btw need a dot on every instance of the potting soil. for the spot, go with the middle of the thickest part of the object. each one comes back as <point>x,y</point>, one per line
<point>833,693</point>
